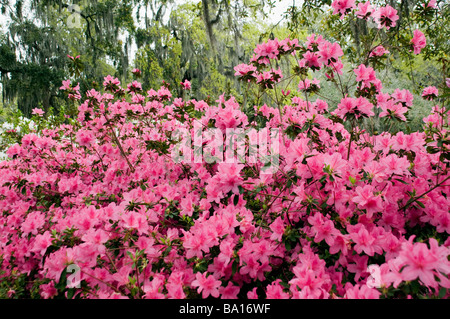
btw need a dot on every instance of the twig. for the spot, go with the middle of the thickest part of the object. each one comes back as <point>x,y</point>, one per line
<point>412,200</point>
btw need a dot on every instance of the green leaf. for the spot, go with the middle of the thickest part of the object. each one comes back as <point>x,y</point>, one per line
<point>234,267</point>
<point>415,286</point>
<point>289,183</point>
<point>235,200</point>
<point>287,245</point>
<point>420,204</point>
<point>442,293</point>
<point>70,293</point>
<point>62,283</point>
<point>167,251</point>
<point>352,180</point>
<point>130,254</point>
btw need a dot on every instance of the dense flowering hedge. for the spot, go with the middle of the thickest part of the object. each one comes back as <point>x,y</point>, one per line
<point>347,213</point>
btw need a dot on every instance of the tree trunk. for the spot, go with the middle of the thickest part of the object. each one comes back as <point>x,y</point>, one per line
<point>208,25</point>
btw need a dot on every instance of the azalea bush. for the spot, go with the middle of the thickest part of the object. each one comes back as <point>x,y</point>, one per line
<point>16,126</point>
<point>118,203</point>
<point>12,131</point>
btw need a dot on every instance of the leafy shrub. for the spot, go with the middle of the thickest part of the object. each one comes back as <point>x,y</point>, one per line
<point>105,207</point>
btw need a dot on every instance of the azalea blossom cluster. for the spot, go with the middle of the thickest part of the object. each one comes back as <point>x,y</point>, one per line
<point>384,16</point>
<point>103,192</point>
<point>72,91</point>
<point>9,130</point>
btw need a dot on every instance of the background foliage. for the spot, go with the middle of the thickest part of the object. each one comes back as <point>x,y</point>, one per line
<point>200,41</point>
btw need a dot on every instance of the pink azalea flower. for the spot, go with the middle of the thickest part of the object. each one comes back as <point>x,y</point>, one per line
<point>341,243</point>
<point>358,107</point>
<point>403,96</point>
<point>201,242</point>
<point>420,263</point>
<point>32,223</point>
<point>385,17</point>
<point>430,93</point>
<point>186,85</point>
<point>313,42</point>
<point>278,227</point>
<point>275,291</point>
<point>109,81</point>
<point>252,294</point>
<point>367,77</point>
<point>13,150</point>
<point>418,41</point>
<point>365,10</point>
<point>98,236</point>
<point>337,67</point>
<point>323,229</point>
<point>153,288</point>
<point>229,292</point>
<point>268,50</point>
<point>48,291</point>
<point>66,85</point>
<point>307,84</point>
<point>358,266</point>
<point>135,86</point>
<point>244,69</point>
<point>311,59</point>
<point>367,200</point>
<point>343,6</point>
<point>207,285</point>
<point>335,163</point>
<point>175,291</point>
<point>134,220</point>
<point>364,73</point>
<point>396,165</point>
<point>364,106</point>
<point>229,177</point>
<point>164,93</point>
<point>136,71</point>
<point>361,292</point>
<point>409,142</point>
<point>390,272</point>
<point>347,105</point>
<point>378,51</point>
<point>321,105</point>
<point>432,119</point>
<point>430,4</point>
<point>38,111</point>
<point>329,53</point>
<point>42,242</point>
<point>392,109</point>
<point>84,137</point>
